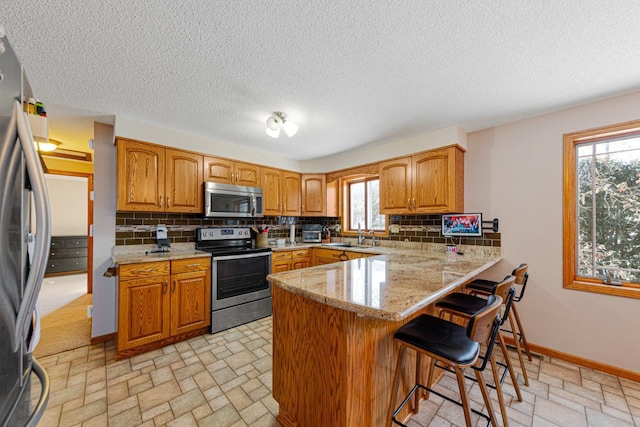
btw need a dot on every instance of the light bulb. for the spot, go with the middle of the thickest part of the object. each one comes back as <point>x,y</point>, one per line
<point>290,128</point>
<point>274,123</point>
<point>273,133</point>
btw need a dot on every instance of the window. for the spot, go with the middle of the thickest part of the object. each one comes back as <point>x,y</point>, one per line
<point>363,205</point>
<point>602,210</point>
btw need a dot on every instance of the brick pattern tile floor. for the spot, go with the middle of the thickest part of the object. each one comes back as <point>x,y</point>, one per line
<point>224,380</point>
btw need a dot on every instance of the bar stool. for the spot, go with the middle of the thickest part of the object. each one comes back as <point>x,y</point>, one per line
<point>465,305</point>
<point>453,345</point>
<point>483,286</point>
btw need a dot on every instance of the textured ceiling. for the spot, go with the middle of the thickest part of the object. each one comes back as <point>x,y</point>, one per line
<point>349,73</point>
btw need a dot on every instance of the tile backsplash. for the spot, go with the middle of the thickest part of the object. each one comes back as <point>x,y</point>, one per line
<point>138,228</point>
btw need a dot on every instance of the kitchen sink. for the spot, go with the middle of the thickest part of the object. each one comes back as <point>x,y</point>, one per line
<point>344,245</point>
<point>338,245</point>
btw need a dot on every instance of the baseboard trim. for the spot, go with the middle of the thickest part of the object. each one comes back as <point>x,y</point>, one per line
<point>581,361</point>
<point>103,338</point>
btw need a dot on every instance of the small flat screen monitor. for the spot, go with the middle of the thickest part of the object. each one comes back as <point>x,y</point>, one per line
<point>464,225</point>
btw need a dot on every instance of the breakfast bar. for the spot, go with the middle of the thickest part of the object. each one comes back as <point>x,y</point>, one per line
<point>333,325</point>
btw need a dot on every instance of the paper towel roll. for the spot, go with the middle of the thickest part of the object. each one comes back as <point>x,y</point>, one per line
<point>292,234</point>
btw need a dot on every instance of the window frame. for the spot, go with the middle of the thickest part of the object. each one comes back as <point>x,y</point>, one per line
<point>570,278</point>
<point>346,206</point>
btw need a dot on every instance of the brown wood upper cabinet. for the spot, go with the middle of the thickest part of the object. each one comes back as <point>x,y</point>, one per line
<point>152,178</point>
<point>314,195</point>
<point>231,172</point>
<point>281,192</point>
<point>429,182</point>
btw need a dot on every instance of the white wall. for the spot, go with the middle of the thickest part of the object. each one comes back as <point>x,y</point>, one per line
<point>514,172</point>
<point>68,202</point>
<point>104,231</point>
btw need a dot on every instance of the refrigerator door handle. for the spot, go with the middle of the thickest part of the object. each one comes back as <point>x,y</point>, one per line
<point>45,385</point>
<point>43,225</point>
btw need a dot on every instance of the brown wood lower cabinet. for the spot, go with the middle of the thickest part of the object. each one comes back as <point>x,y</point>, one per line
<point>162,302</point>
<point>327,256</point>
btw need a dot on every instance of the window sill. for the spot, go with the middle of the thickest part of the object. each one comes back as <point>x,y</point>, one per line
<point>620,291</point>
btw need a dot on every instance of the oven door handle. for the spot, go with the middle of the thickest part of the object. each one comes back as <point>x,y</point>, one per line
<point>254,255</point>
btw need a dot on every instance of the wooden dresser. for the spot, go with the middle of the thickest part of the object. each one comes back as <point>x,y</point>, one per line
<point>68,255</point>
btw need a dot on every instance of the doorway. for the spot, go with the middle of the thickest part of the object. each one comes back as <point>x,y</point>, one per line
<point>71,225</point>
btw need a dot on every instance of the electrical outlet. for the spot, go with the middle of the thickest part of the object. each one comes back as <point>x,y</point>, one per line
<point>89,311</point>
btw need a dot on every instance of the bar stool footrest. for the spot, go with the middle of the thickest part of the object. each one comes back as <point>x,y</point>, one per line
<point>430,390</point>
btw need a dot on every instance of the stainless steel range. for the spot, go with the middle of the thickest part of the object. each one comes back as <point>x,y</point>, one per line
<point>240,291</point>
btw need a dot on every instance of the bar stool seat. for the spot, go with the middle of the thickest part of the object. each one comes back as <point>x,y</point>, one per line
<point>463,303</point>
<point>441,337</point>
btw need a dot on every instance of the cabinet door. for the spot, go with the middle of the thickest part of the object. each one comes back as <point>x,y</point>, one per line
<point>247,174</point>
<point>314,195</point>
<point>271,180</point>
<point>297,264</point>
<point>333,198</point>
<point>190,301</point>
<point>395,186</point>
<point>140,177</point>
<point>280,266</point>
<point>438,181</point>
<point>184,181</point>
<point>322,256</point>
<point>143,311</point>
<point>291,193</point>
<point>218,170</point>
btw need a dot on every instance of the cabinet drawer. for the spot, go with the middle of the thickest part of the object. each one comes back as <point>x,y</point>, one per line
<point>75,242</point>
<point>67,264</point>
<point>190,264</point>
<point>145,269</point>
<point>280,255</point>
<point>299,253</point>
<point>67,253</point>
<point>57,242</point>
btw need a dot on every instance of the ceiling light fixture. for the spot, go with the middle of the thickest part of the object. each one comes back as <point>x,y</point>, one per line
<point>279,120</point>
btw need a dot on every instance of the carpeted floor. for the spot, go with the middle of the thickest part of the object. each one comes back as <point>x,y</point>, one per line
<point>66,328</point>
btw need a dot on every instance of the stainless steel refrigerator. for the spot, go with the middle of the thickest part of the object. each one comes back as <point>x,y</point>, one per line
<point>24,246</point>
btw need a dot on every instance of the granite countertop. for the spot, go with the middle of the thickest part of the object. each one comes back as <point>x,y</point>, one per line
<point>392,285</point>
<point>142,253</point>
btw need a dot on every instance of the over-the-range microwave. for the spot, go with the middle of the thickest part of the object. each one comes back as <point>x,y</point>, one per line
<point>232,201</point>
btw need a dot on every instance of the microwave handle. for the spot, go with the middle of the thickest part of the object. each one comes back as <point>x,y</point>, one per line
<point>254,202</point>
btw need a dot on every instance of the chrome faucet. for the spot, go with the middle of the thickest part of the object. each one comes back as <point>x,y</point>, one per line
<point>374,239</point>
<point>360,235</point>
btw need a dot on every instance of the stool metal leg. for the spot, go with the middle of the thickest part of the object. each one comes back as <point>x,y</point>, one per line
<point>518,348</point>
<point>521,331</point>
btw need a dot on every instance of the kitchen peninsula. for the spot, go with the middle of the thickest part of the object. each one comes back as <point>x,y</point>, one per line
<point>333,325</point>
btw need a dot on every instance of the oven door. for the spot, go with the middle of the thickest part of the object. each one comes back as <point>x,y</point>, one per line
<point>237,279</point>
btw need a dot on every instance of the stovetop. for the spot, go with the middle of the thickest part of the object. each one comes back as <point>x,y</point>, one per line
<point>226,241</point>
